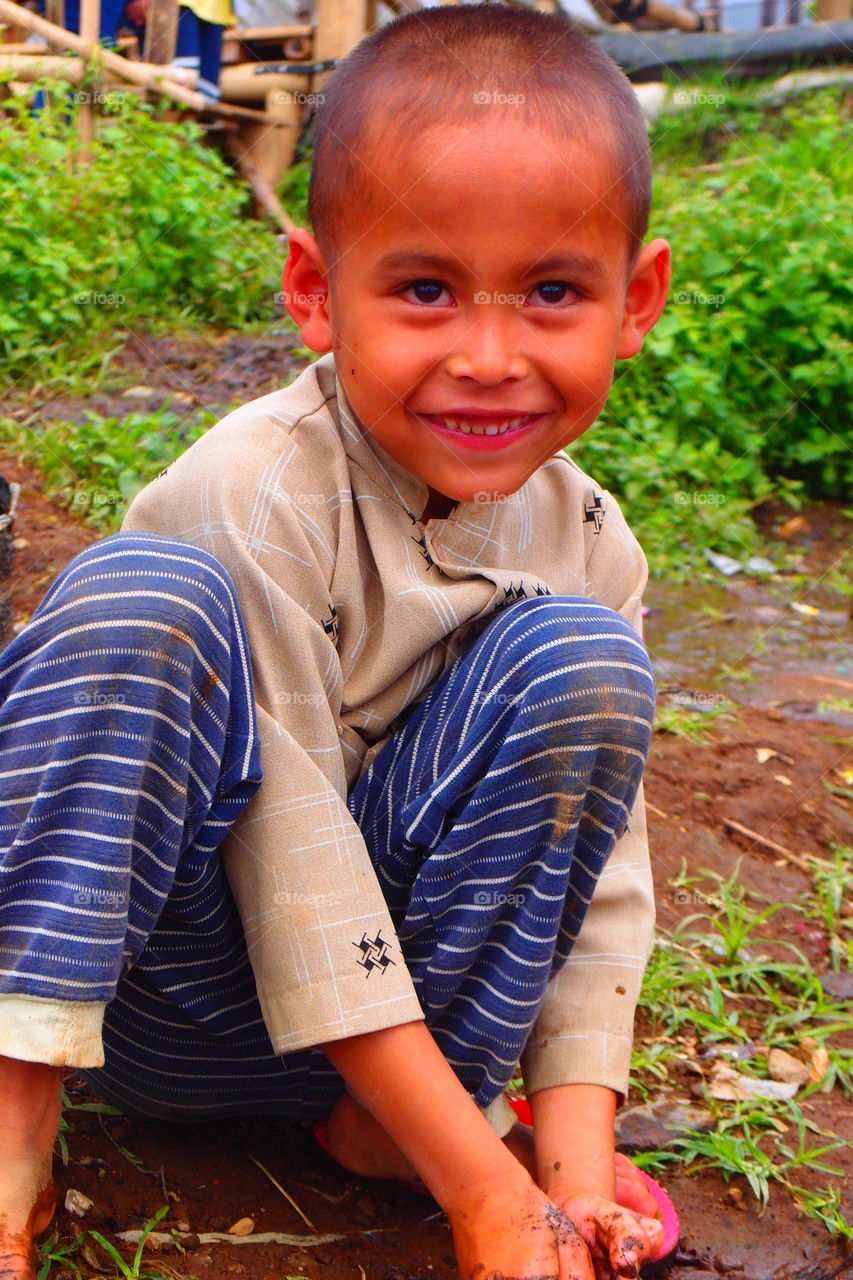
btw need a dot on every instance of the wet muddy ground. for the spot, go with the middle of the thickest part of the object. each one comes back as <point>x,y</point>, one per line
<point>790,674</point>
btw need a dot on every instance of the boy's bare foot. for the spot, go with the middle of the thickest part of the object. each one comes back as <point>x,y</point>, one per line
<point>360,1144</point>
<point>29,1121</point>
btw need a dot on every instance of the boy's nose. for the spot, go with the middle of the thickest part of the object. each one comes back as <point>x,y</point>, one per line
<point>488,353</point>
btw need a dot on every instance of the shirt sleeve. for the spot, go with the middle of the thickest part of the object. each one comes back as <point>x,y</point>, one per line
<point>324,952</point>
<point>584,1031</point>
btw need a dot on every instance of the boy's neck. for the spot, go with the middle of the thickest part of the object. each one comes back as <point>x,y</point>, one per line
<point>438,506</point>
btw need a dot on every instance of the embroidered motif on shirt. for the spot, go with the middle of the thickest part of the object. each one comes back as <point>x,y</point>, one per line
<point>422,543</point>
<point>331,626</point>
<point>373,953</point>
<point>594,513</point>
<point>513,594</point>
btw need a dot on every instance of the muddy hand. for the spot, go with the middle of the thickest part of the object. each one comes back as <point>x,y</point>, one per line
<point>517,1233</point>
<point>618,1240</point>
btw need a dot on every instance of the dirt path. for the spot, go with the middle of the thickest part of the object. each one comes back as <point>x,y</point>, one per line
<point>792,797</point>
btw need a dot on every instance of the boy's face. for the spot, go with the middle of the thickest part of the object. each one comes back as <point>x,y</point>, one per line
<point>478,301</point>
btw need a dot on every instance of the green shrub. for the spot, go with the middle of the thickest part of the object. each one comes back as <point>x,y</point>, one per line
<point>152,229</point>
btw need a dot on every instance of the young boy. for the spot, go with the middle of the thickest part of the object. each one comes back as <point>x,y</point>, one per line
<point>388,587</point>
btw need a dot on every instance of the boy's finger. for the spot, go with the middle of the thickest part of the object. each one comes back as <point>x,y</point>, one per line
<point>636,1241</point>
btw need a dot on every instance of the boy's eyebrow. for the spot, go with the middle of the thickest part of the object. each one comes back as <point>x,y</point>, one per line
<point>574,263</point>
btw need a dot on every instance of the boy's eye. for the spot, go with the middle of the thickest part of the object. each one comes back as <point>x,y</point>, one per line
<point>429,291</point>
<point>551,293</point>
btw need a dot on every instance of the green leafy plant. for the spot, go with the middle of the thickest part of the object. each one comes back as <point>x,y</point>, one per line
<point>97,466</point>
<point>152,229</point>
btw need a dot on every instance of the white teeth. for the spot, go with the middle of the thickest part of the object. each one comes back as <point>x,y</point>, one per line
<point>481,428</point>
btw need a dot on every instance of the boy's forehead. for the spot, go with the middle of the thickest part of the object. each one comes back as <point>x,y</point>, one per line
<point>473,181</point>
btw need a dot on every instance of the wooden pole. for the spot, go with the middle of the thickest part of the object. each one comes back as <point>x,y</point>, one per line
<point>265,198</point>
<point>140,73</point>
<point>833,10</point>
<point>338,27</point>
<point>161,32</point>
<point>90,33</point>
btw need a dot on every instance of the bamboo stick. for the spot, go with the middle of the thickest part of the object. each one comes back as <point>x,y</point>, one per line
<point>245,35</point>
<point>161,32</point>
<point>141,73</point>
<point>264,194</point>
<point>90,32</point>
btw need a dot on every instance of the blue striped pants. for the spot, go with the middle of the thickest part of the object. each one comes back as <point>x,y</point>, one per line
<point>128,749</point>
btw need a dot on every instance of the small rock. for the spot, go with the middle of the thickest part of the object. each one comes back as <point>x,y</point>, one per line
<point>138,393</point>
<point>183,397</point>
<point>735,1196</point>
<point>191,1241</point>
<point>730,1051</point>
<point>77,1203</point>
<point>783,1066</point>
<point>733,1086</point>
<point>242,1227</point>
<point>648,1127</point>
<point>183,1225</point>
<point>839,985</point>
<point>790,529</point>
<point>726,1261</point>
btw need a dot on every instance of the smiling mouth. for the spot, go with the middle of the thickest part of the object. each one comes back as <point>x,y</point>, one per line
<point>481,425</point>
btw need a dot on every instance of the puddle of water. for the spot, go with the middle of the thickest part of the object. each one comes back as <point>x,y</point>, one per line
<point>744,638</point>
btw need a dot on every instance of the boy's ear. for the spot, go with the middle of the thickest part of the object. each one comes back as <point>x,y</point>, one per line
<point>648,286</point>
<point>306,290</point>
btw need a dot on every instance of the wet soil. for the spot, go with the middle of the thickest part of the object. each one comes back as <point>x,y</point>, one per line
<point>214,370</point>
<point>797,702</point>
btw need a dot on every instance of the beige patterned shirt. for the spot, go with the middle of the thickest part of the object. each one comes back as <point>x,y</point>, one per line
<point>352,609</point>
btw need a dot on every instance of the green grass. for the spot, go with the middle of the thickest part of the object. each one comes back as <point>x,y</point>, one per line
<point>97,466</point>
<point>67,1256</point>
<point>683,720</point>
<point>718,978</point>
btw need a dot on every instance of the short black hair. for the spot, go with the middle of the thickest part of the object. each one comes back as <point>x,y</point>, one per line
<point>436,65</point>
